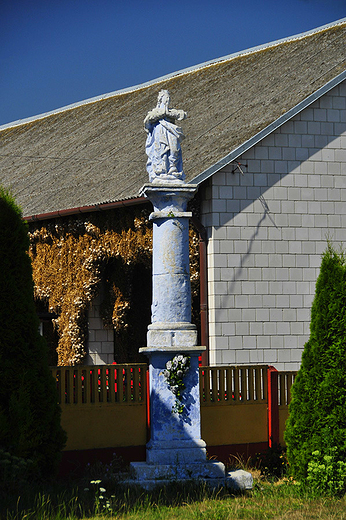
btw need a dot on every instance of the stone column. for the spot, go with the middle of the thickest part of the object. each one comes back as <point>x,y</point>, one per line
<point>171,303</point>
<point>175,449</point>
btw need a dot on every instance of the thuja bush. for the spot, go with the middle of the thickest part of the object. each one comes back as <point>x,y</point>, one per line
<point>317,413</point>
<point>29,415</point>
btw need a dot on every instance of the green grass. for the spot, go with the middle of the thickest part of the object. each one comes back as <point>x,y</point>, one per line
<point>283,499</point>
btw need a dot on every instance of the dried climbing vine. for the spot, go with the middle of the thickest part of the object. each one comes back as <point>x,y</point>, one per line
<point>69,257</point>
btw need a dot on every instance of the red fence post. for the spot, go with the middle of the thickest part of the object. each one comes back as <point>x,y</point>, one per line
<point>273,407</point>
<point>148,405</point>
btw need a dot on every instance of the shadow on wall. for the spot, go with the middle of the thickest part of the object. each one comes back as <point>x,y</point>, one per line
<point>274,222</point>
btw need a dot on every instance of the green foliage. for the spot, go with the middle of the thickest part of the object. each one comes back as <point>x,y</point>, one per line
<point>317,413</point>
<point>179,501</point>
<point>29,414</point>
<point>273,463</point>
<point>112,471</point>
<point>15,472</point>
<point>326,474</point>
<point>103,502</point>
<point>104,497</point>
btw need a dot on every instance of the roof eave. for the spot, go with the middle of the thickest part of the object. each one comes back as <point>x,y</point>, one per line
<point>268,130</point>
<point>86,209</point>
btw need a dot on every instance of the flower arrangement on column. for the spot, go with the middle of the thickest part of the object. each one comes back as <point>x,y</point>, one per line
<point>175,372</point>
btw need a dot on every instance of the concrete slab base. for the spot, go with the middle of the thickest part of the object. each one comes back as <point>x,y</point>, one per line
<point>211,473</point>
<point>194,470</point>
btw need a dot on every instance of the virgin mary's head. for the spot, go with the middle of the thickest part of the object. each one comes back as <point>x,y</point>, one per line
<point>163,99</point>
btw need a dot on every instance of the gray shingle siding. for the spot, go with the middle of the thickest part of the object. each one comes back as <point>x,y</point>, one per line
<point>267,230</point>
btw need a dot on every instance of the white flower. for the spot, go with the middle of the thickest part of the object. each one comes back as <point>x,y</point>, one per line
<point>175,371</point>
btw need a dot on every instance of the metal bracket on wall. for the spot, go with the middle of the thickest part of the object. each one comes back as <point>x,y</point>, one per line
<point>238,166</point>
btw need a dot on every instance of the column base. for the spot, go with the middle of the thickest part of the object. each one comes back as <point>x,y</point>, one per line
<point>210,473</point>
<point>176,452</point>
<point>209,469</point>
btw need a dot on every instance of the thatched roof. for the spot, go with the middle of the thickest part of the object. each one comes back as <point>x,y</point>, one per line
<point>94,153</point>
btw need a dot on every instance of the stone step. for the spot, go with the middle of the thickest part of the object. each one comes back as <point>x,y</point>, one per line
<point>236,480</point>
<point>200,470</point>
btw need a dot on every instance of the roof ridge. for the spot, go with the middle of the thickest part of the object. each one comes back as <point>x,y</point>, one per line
<point>186,70</point>
<point>275,43</point>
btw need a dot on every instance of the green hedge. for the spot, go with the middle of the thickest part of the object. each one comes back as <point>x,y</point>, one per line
<point>317,413</point>
<point>29,414</point>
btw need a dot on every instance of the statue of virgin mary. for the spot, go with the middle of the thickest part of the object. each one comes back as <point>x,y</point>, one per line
<point>163,148</point>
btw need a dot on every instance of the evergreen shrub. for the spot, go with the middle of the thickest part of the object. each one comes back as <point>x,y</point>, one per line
<point>29,414</point>
<point>317,413</point>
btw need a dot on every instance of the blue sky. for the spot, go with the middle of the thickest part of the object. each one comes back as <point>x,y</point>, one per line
<point>57,52</point>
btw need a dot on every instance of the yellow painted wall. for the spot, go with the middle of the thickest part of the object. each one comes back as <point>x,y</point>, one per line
<point>104,425</point>
<point>283,416</point>
<point>107,425</point>
<point>234,424</point>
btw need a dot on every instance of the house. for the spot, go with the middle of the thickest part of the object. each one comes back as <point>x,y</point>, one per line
<point>265,142</point>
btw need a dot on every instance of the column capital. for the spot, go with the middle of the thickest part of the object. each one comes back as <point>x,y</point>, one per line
<point>169,197</point>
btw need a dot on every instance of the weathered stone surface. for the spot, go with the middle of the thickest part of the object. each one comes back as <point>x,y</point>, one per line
<point>211,473</point>
<point>171,335</point>
<point>178,472</point>
<point>169,199</point>
<point>175,437</point>
<point>171,300</point>
<point>165,162</point>
<point>175,451</point>
<point>239,480</point>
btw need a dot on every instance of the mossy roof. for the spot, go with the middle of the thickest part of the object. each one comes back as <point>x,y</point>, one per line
<point>94,153</point>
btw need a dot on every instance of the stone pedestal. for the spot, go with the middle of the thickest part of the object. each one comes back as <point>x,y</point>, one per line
<point>175,438</point>
<point>175,450</point>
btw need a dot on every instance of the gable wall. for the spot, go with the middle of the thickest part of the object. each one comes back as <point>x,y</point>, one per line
<point>267,230</point>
